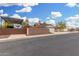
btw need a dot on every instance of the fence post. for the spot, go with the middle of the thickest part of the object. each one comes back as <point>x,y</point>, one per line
<point>27,31</point>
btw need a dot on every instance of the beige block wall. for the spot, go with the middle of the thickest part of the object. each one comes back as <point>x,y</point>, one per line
<point>9,31</point>
<point>36,31</point>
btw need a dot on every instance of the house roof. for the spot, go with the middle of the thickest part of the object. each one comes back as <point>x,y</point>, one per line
<point>12,20</point>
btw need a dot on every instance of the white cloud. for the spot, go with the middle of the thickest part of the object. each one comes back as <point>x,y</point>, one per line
<point>8,4</point>
<point>73,21</point>
<point>72,5</point>
<point>5,4</point>
<point>15,16</point>
<point>26,9</point>
<point>32,21</point>
<point>1,11</point>
<point>19,17</point>
<point>73,18</point>
<point>3,14</point>
<point>48,18</point>
<point>35,20</point>
<point>28,4</point>
<point>24,18</point>
<point>51,22</point>
<point>18,4</point>
<point>56,14</point>
<point>70,24</point>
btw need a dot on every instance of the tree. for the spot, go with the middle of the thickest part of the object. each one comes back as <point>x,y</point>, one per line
<point>25,23</point>
<point>61,26</point>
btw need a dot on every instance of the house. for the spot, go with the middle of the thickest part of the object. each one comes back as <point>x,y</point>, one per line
<point>41,28</point>
<point>51,28</point>
<point>14,26</point>
<point>11,26</point>
<point>8,22</point>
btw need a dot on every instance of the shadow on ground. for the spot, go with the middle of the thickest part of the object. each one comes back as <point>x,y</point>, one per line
<point>4,36</point>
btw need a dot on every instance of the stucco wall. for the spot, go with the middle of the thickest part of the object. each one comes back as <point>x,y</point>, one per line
<point>36,31</point>
<point>9,31</point>
<point>27,31</point>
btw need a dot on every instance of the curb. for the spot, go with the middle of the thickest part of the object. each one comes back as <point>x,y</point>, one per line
<point>12,38</point>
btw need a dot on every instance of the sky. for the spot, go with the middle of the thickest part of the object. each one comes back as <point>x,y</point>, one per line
<point>50,13</point>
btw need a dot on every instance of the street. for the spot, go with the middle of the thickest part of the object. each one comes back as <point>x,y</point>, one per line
<point>56,45</point>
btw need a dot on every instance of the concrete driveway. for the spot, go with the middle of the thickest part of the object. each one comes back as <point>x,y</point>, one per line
<point>56,45</point>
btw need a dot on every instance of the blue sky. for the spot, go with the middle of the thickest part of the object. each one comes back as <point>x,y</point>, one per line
<point>42,11</point>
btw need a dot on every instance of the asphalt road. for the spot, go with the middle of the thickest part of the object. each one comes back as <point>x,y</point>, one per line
<point>58,45</point>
